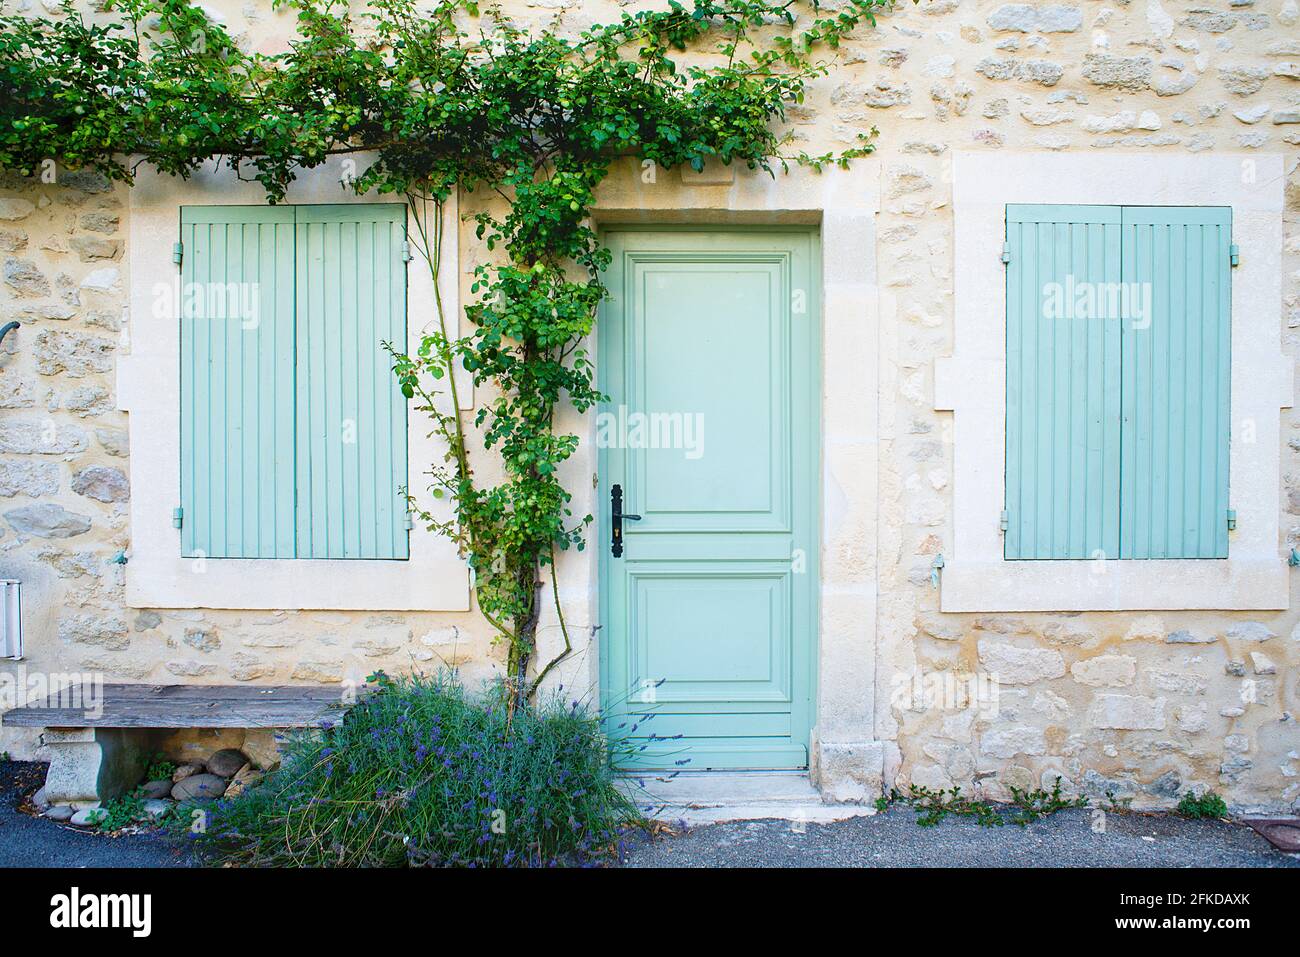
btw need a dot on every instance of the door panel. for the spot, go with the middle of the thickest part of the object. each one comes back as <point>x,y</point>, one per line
<point>708,352</point>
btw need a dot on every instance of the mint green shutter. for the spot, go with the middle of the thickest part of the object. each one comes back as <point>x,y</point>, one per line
<point>1063,376</point>
<point>293,431</point>
<point>352,417</point>
<point>237,380</point>
<point>1176,400</point>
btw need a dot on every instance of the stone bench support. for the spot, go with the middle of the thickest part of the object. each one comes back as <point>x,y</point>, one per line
<point>92,765</point>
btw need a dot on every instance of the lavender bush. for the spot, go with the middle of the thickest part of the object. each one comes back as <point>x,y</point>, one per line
<point>422,773</point>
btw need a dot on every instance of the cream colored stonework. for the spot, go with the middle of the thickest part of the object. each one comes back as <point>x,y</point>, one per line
<point>1139,703</point>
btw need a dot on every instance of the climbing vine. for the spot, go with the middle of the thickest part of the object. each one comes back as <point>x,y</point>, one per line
<point>425,101</point>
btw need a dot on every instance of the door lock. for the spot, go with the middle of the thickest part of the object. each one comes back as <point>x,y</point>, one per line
<point>616,520</point>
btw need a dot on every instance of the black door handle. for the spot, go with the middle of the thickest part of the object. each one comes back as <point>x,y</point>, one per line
<point>616,520</point>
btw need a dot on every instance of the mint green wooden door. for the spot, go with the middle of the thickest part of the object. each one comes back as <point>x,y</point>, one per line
<point>708,353</point>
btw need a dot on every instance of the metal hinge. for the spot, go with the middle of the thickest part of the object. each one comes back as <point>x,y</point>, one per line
<point>178,253</point>
<point>406,252</point>
<point>178,514</point>
<point>410,520</point>
<point>1006,252</point>
<point>1004,522</point>
<point>936,566</point>
<point>1234,254</point>
<point>1232,519</point>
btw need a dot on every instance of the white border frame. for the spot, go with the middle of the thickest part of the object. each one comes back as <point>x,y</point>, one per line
<point>972,384</point>
<point>846,755</point>
<point>434,578</point>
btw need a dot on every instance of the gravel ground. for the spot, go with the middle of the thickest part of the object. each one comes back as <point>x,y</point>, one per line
<point>885,840</point>
<point>893,839</point>
<point>27,841</point>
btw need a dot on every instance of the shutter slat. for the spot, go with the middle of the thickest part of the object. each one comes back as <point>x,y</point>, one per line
<point>1176,384</point>
<point>1062,476</point>
<point>236,279</point>
<point>353,460</point>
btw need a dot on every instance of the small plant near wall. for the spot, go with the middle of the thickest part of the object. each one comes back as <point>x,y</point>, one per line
<point>933,806</point>
<point>1207,805</point>
<point>426,100</point>
<point>421,773</point>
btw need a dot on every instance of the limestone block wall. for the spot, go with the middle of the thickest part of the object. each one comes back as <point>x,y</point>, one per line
<point>1136,704</point>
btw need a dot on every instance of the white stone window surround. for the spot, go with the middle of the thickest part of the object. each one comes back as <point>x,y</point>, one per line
<point>972,384</point>
<point>433,578</point>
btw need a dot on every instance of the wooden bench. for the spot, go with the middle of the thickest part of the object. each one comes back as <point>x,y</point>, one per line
<point>100,738</point>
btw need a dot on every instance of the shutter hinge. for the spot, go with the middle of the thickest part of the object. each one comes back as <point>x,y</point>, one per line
<point>406,251</point>
<point>935,567</point>
<point>1232,519</point>
<point>1004,522</point>
<point>178,253</point>
<point>177,515</point>
<point>1006,252</point>
<point>1234,255</point>
<point>410,521</point>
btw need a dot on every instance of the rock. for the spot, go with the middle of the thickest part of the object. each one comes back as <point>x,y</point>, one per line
<point>1289,70</point>
<point>157,789</point>
<point>91,248</point>
<point>1008,742</point>
<point>12,209</point>
<point>1235,668</point>
<point>244,779</point>
<point>1243,80</point>
<point>1117,72</point>
<point>47,520</point>
<point>1127,712</point>
<point>1122,122</point>
<point>102,483</point>
<point>1024,18</point>
<point>88,817</point>
<point>26,438</point>
<point>1165,85</point>
<point>1262,664</point>
<point>1014,665</point>
<point>1167,785</point>
<point>100,222</point>
<point>74,354</point>
<point>89,400</point>
<point>60,813</point>
<point>115,442</point>
<point>102,280</point>
<point>147,620</point>
<point>227,762</point>
<point>199,787</point>
<point>1112,671</point>
<point>95,628</point>
<point>33,479</point>
<point>39,800</point>
<point>879,95</point>
<point>25,277</point>
<point>85,181</point>
<point>1250,631</point>
<point>1184,637</point>
<point>1043,72</point>
<point>204,640</point>
<point>1282,117</point>
<point>157,808</point>
<point>186,770</point>
<point>1253,114</point>
<point>262,749</point>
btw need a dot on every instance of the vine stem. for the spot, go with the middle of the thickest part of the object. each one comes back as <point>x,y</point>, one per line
<point>432,252</point>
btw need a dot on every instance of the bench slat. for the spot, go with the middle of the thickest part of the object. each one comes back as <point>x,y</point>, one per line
<point>187,706</point>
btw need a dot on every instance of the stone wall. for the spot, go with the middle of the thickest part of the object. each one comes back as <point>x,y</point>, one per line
<point>1140,705</point>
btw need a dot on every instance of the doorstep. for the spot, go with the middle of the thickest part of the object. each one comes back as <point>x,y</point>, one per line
<point>710,797</point>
